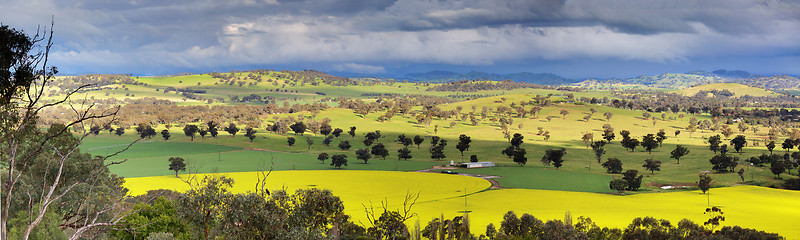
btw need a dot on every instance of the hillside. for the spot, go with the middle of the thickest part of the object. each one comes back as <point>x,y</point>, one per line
<point>695,78</point>
<point>535,78</point>
<point>738,90</point>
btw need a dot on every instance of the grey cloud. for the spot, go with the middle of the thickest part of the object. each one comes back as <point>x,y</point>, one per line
<point>362,34</point>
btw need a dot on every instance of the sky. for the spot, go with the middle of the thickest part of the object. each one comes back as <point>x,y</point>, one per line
<point>571,38</point>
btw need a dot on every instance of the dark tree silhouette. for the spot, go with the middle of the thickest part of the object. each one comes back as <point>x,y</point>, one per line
<point>704,183</point>
<point>634,181</point>
<point>618,184</point>
<point>177,164</point>
<point>337,132</point>
<point>325,128</point>
<point>554,157</point>
<point>679,152</point>
<point>649,143</point>
<point>418,140</point>
<point>598,149</point>
<point>404,153</point>
<point>519,156</point>
<point>352,131</point>
<point>652,165</point>
<point>463,144</point>
<point>613,165</point>
<point>190,130</point>
<point>339,160</point>
<point>322,157</point>
<point>344,145</point>
<point>713,143</point>
<point>298,128</point>
<point>363,155</point>
<point>380,150</point>
<point>403,140</point>
<point>232,129</point>
<point>291,141</point>
<point>250,133</point>
<point>165,134</point>
<point>738,143</point>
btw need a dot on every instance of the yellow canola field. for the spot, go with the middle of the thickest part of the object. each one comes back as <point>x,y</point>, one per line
<point>766,209</point>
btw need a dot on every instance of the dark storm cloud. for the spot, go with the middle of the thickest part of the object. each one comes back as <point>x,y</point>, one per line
<point>364,35</point>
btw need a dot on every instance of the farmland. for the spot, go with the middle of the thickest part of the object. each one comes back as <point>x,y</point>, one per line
<point>442,194</point>
<point>581,183</point>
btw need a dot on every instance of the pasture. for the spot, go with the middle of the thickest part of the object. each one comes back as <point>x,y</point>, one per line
<point>451,195</point>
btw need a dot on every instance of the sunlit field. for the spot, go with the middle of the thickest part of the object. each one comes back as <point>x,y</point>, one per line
<point>766,209</point>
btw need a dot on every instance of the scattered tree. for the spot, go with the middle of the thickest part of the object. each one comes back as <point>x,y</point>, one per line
<point>363,155</point>
<point>380,150</point>
<point>165,134</point>
<point>352,131</point>
<point>618,184</point>
<point>322,157</point>
<point>403,140</point>
<point>190,130</point>
<point>770,146</point>
<point>704,183</point>
<point>519,157</point>
<point>418,140</point>
<point>232,129</point>
<point>337,132</point>
<point>404,153</point>
<point>724,163</point>
<point>652,165</point>
<point>634,181</point>
<point>554,157</point>
<point>777,168</point>
<point>738,143</point>
<point>613,165</point>
<point>679,152</point>
<point>250,133</point>
<point>177,164</point>
<point>338,160</point>
<point>298,128</point>
<point>787,145</point>
<point>290,140</point>
<point>463,144</point>
<point>344,145</point>
<point>649,143</point>
<point>598,149</point>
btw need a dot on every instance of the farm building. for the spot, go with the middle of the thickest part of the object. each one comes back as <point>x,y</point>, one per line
<point>476,164</point>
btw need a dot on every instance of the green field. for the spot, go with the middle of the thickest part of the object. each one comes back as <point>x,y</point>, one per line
<point>442,194</point>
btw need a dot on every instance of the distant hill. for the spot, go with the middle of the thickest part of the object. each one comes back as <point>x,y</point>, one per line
<point>672,80</point>
<point>736,89</point>
<point>722,73</point>
<point>445,76</point>
<point>697,78</point>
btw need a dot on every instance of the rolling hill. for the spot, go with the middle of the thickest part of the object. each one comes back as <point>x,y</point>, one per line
<point>738,90</point>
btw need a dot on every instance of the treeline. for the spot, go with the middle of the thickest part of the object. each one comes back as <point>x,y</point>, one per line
<point>312,77</point>
<point>153,112</point>
<point>662,102</point>
<point>96,81</point>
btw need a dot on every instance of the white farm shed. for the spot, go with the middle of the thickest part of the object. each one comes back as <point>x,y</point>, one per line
<point>477,164</point>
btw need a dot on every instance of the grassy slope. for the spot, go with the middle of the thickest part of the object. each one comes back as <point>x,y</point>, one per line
<point>580,166</point>
<point>738,90</point>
